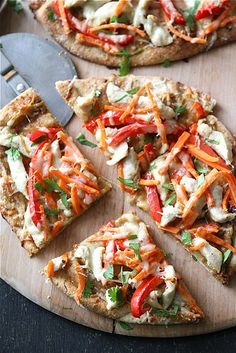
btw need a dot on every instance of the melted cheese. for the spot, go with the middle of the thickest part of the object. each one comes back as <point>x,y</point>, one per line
<point>159,35</point>
<point>169,214</point>
<point>83,252</point>
<point>55,148</point>
<point>190,184</point>
<point>83,106</point>
<point>117,153</point>
<point>97,268</point>
<point>216,212</point>
<point>9,139</point>
<point>58,263</point>
<point>18,174</point>
<point>163,179</point>
<point>131,165</point>
<point>37,235</point>
<point>212,255</point>
<point>110,304</point>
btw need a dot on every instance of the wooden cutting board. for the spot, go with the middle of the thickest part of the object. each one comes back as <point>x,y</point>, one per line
<point>214,73</point>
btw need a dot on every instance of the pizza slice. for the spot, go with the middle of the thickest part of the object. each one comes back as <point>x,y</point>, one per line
<point>45,182</point>
<point>120,273</point>
<point>174,158</point>
<point>131,32</point>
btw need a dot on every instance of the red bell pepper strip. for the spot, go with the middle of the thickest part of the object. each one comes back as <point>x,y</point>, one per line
<point>132,130</point>
<point>153,200</point>
<point>34,203</point>
<point>198,110</point>
<point>109,118</point>
<point>150,151</point>
<point>48,133</point>
<point>172,13</point>
<point>142,292</point>
<point>211,8</point>
<point>118,39</point>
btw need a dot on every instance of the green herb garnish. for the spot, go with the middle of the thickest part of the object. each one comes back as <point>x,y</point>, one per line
<point>109,273</point>
<point>186,237</point>
<point>168,186</point>
<point>93,111</point>
<point>132,236</point>
<point>124,277</point>
<point>129,182</point>
<point>81,138</point>
<point>51,186</point>
<point>213,142</point>
<point>226,255</point>
<point>16,5</point>
<point>190,15</point>
<point>120,19</point>
<point>125,325</point>
<point>180,109</point>
<point>199,168</point>
<point>97,93</point>
<point>153,165</point>
<point>39,140</point>
<point>51,16</point>
<point>166,313</point>
<point>39,187</point>
<point>129,93</point>
<point>115,295</point>
<point>64,200</point>
<point>87,289</point>
<point>170,199</point>
<point>136,247</point>
<point>124,66</point>
<point>51,211</point>
<point>166,63</point>
<point>13,153</point>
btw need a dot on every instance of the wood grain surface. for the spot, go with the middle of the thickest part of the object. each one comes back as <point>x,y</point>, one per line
<point>214,73</point>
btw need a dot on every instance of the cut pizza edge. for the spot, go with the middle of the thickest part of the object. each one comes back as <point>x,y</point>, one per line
<point>70,32</point>
<point>89,97</point>
<point>23,117</point>
<point>121,274</point>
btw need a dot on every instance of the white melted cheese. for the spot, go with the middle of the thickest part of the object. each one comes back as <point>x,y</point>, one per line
<point>101,15</point>
<point>97,257</point>
<point>37,235</point>
<point>190,184</point>
<point>9,139</point>
<point>83,106</point>
<point>216,212</point>
<point>131,165</point>
<point>115,93</point>
<point>118,152</point>
<point>83,252</point>
<point>18,174</point>
<point>58,263</point>
<point>159,35</point>
<point>169,214</point>
<point>212,255</point>
<point>136,320</point>
<point>55,149</point>
<point>163,179</point>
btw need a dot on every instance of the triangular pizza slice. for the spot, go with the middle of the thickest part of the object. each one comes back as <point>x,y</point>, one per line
<point>174,158</point>
<point>45,182</point>
<point>120,273</point>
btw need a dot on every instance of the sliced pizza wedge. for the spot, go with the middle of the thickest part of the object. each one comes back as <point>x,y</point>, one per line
<point>45,182</point>
<point>174,158</point>
<point>120,273</point>
<point>137,32</point>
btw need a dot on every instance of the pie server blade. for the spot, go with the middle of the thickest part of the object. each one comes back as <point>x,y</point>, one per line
<point>27,60</point>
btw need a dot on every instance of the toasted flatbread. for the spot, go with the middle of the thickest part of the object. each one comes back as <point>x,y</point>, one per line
<point>174,158</point>
<point>154,45</point>
<point>35,202</point>
<point>107,272</point>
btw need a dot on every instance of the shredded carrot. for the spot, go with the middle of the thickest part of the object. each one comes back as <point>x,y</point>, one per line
<point>57,227</point>
<point>63,186</point>
<point>75,200</point>
<point>50,269</point>
<point>103,134</point>
<point>50,200</point>
<point>214,25</point>
<point>232,183</point>
<point>132,104</point>
<point>186,295</point>
<point>151,182</point>
<point>97,238</point>
<point>210,199</point>
<point>157,115</point>
<point>226,200</point>
<point>188,163</point>
<point>171,229</point>
<point>174,151</point>
<point>120,7</point>
<point>81,281</point>
<point>95,42</point>
<point>206,228</point>
<point>85,178</point>
<point>180,193</point>
<point>119,26</point>
<point>181,35</point>
<point>63,16</point>
<point>121,175</point>
<point>135,111</point>
<point>143,162</point>
<point>73,149</point>
<point>191,218</point>
<point>209,179</point>
<point>196,247</point>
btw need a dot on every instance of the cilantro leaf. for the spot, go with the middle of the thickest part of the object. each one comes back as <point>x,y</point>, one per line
<point>16,5</point>
<point>190,15</point>
<point>200,180</point>
<point>120,19</point>
<point>51,16</point>
<point>51,211</point>
<point>180,109</point>
<point>124,66</point>
<point>125,325</point>
<point>153,165</point>
<point>109,273</point>
<point>213,142</point>
<point>170,199</point>
<point>87,289</point>
<point>51,186</point>
<point>186,237</point>
<point>132,236</point>
<point>115,295</point>
<point>199,168</point>
<point>82,140</point>
<point>13,153</point>
<point>166,313</point>
<point>136,247</point>
<point>97,93</point>
<point>39,187</point>
<point>166,63</point>
<point>64,200</point>
<point>131,92</point>
<point>129,182</point>
<point>124,277</point>
<point>168,186</point>
<point>226,255</point>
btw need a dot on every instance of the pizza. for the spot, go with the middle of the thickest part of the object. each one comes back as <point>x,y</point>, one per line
<point>45,182</point>
<point>137,32</point>
<point>120,273</point>
<point>174,158</point>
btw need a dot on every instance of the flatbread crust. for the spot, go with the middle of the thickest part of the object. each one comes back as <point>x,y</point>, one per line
<point>25,113</point>
<point>71,90</point>
<point>178,50</point>
<point>66,280</point>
